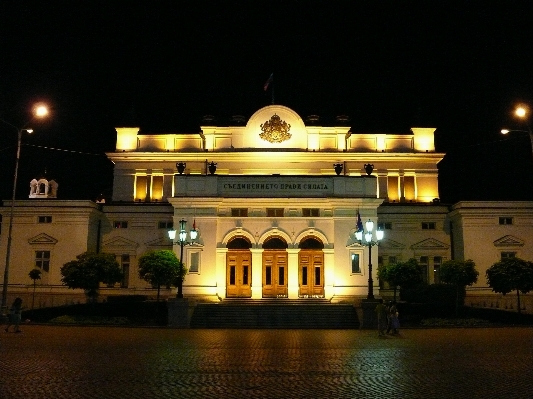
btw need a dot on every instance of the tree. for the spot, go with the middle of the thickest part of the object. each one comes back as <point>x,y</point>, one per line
<point>403,274</point>
<point>162,267</point>
<point>511,274</point>
<point>459,273</point>
<point>35,275</point>
<point>89,270</point>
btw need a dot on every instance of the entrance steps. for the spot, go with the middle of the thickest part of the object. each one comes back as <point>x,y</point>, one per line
<point>275,313</point>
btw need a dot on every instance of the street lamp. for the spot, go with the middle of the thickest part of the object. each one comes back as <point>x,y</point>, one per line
<point>182,241</point>
<point>369,242</point>
<point>40,111</point>
<point>521,112</point>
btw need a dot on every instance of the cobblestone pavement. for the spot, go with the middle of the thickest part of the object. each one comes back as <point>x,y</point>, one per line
<point>107,362</point>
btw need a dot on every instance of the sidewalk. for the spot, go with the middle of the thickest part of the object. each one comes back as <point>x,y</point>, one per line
<point>101,362</point>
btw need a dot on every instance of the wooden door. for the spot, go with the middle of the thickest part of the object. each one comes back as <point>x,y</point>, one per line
<point>311,273</point>
<point>275,274</point>
<point>238,274</point>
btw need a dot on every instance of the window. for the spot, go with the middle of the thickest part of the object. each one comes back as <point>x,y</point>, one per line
<point>275,212</point>
<point>428,225</point>
<point>437,261</point>
<point>120,225</point>
<point>356,268</point>
<point>423,264</point>
<point>310,212</point>
<point>125,264</point>
<point>44,219</point>
<point>392,260</point>
<point>506,220</point>
<point>194,262</point>
<point>42,260</point>
<point>242,212</point>
<point>166,225</point>
<point>508,255</point>
<point>385,226</point>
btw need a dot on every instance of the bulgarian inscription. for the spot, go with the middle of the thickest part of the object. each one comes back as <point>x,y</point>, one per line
<point>281,187</point>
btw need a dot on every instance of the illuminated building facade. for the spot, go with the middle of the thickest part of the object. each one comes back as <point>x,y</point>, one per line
<point>275,202</point>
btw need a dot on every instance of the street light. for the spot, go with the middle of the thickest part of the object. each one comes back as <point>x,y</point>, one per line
<point>182,241</point>
<point>369,242</point>
<point>39,111</point>
<point>521,112</point>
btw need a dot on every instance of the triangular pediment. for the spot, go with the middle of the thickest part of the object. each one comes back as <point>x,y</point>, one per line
<point>119,243</point>
<point>391,244</point>
<point>508,241</point>
<point>430,243</point>
<point>42,239</point>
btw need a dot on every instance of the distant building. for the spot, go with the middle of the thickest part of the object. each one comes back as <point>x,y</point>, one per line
<point>275,203</point>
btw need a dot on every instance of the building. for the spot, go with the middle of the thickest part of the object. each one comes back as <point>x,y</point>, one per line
<point>275,202</point>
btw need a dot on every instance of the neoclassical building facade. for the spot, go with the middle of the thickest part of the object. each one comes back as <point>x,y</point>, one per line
<point>275,202</point>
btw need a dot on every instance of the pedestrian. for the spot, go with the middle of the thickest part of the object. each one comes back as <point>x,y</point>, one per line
<point>389,319</point>
<point>381,311</point>
<point>15,313</point>
<point>394,321</point>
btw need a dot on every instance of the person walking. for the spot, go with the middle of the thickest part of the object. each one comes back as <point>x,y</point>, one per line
<point>381,311</point>
<point>15,313</point>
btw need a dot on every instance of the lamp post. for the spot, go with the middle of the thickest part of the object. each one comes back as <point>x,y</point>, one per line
<point>182,241</point>
<point>39,112</point>
<point>369,242</point>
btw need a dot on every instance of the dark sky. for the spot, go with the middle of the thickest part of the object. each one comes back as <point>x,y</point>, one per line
<point>458,66</point>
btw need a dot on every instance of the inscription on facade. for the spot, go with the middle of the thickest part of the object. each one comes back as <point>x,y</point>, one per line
<point>281,187</point>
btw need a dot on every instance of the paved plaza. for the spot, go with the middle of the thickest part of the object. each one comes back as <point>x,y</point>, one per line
<point>107,362</point>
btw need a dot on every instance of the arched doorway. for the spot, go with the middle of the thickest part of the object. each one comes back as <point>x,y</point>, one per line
<point>239,268</point>
<point>275,268</point>
<point>311,268</point>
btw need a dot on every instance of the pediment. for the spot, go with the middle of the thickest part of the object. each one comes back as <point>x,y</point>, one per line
<point>119,243</point>
<point>430,243</point>
<point>391,244</point>
<point>42,239</point>
<point>508,241</point>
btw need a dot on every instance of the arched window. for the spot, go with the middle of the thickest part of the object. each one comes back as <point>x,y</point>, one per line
<point>311,243</point>
<point>239,243</point>
<point>275,243</point>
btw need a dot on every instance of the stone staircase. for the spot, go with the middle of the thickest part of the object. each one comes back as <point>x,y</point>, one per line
<point>274,314</point>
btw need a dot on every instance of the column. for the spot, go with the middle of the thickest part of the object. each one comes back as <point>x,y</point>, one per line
<point>257,273</point>
<point>293,283</point>
<point>329,272</point>
<point>220,273</point>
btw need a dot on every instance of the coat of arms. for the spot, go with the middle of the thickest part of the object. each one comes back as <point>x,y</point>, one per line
<point>275,130</point>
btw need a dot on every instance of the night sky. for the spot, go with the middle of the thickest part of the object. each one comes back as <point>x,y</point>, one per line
<point>390,65</point>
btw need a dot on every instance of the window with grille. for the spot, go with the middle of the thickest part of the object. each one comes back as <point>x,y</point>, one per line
<point>239,212</point>
<point>194,262</point>
<point>437,261</point>
<point>42,260</point>
<point>385,226</point>
<point>423,264</point>
<point>120,224</point>
<point>310,212</point>
<point>44,219</point>
<point>356,267</point>
<point>429,225</point>
<point>166,225</point>
<point>508,255</point>
<point>125,265</point>
<point>505,220</point>
<point>275,212</point>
